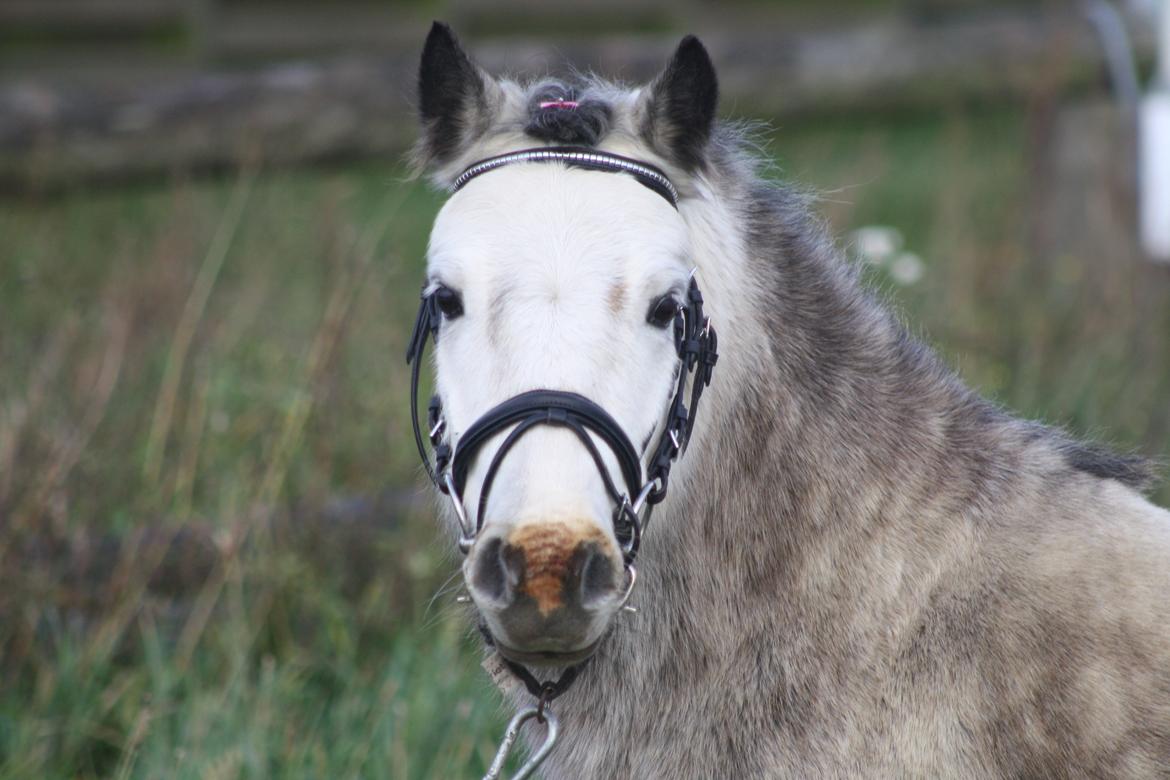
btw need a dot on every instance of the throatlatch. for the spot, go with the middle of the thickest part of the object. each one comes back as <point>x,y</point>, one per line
<point>696,345</point>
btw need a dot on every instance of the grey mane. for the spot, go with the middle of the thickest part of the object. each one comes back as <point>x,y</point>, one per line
<point>887,376</point>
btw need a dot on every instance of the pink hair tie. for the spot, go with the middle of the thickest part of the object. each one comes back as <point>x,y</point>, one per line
<point>558,103</point>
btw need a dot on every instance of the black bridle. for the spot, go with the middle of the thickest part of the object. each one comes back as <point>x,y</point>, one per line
<point>695,343</point>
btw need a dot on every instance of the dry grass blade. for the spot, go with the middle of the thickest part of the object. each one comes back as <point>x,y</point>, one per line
<point>70,450</point>
<point>333,323</point>
<point>329,334</point>
<point>184,480</point>
<point>196,304</point>
<point>18,414</point>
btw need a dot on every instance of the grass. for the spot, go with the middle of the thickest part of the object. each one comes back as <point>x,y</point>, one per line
<point>215,559</point>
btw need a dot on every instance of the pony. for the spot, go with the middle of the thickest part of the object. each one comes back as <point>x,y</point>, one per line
<point>861,567</point>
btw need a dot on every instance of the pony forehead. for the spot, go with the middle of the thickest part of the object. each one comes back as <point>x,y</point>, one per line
<point>548,207</point>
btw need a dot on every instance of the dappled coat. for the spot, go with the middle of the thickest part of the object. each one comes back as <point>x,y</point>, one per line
<point>863,569</point>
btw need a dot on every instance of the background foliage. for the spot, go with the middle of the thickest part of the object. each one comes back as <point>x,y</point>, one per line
<point>216,559</point>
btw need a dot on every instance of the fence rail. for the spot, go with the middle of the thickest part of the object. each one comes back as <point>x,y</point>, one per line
<point>99,16</point>
<point>350,94</point>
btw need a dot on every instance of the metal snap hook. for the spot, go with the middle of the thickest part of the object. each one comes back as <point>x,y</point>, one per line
<point>519,719</point>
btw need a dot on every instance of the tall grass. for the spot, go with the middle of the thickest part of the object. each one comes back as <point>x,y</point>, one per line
<point>214,560</point>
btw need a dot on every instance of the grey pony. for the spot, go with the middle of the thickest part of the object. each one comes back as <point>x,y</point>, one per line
<point>864,568</point>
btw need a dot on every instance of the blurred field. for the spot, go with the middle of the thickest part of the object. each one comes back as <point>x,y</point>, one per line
<point>216,558</point>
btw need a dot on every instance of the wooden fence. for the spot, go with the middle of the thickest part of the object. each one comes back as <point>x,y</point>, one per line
<point>115,88</point>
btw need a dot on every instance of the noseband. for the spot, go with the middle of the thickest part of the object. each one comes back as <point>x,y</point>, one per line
<point>695,344</point>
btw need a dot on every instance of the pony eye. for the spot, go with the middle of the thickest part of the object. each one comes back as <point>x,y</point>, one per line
<point>448,302</point>
<point>662,311</point>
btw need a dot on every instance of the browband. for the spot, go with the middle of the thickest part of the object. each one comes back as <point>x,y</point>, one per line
<point>577,157</point>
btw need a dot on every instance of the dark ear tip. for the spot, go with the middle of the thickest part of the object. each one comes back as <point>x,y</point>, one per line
<point>450,89</point>
<point>684,99</point>
<point>692,63</point>
<point>440,34</point>
<point>691,48</point>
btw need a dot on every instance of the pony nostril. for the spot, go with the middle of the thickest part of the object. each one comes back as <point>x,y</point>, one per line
<point>543,568</point>
<point>598,577</point>
<point>497,570</point>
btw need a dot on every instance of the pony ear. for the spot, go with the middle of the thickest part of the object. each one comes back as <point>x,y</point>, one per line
<point>454,96</point>
<point>680,109</point>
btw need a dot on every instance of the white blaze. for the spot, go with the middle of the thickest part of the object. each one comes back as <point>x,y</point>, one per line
<point>557,269</point>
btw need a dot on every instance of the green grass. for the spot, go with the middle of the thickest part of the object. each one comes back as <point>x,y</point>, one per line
<point>255,396</point>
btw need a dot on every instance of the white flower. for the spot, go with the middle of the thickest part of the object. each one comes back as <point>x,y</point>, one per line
<point>876,244</point>
<point>907,268</point>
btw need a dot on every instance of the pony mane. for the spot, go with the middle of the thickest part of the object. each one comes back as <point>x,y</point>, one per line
<point>585,123</point>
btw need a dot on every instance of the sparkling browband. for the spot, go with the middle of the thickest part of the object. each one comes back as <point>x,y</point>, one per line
<point>581,158</point>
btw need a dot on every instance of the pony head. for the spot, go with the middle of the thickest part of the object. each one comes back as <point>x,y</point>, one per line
<point>564,278</point>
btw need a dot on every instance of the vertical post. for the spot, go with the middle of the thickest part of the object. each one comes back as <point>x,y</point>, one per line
<point>1163,75</point>
<point>1154,150</point>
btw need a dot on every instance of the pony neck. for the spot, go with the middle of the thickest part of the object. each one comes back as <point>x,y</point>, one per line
<point>827,418</point>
